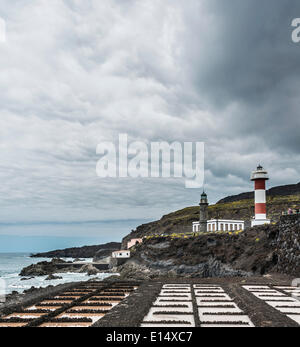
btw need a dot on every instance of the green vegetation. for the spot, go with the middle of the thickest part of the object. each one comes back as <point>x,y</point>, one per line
<point>178,224</point>
<point>192,235</point>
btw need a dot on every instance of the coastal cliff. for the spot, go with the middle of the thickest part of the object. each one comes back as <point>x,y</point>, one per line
<point>256,251</point>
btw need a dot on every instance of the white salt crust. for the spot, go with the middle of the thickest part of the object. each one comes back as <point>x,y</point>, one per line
<point>219,310</point>
<point>176,286</point>
<point>175,291</point>
<point>216,291</point>
<point>161,325</point>
<point>173,303</point>
<point>289,310</point>
<point>250,288</point>
<point>281,300</point>
<point>205,296</point>
<point>224,318</point>
<point>93,318</point>
<point>170,317</point>
<point>171,309</point>
<point>219,316</point>
<point>278,304</point>
<point>178,296</point>
<point>172,298</point>
<point>212,303</point>
<point>224,297</point>
<point>295,318</point>
<point>227,325</point>
<point>181,295</point>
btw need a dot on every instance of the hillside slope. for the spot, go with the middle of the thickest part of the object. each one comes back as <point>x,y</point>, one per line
<point>256,251</point>
<point>279,199</point>
<point>290,189</point>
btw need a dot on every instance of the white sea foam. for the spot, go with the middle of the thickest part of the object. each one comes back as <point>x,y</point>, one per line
<point>12,264</point>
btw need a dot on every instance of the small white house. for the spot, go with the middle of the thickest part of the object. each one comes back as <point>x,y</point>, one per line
<point>221,225</point>
<point>121,254</point>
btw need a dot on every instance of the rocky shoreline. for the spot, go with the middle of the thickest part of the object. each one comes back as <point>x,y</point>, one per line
<point>96,252</point>
<point>57,265</point>
<point>256,251</point>
<point>30,295</point>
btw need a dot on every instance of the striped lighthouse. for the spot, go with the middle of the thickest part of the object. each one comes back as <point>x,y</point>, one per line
<point>260,176</point>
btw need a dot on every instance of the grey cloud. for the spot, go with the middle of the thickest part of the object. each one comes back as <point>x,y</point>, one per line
<point>74,74</point>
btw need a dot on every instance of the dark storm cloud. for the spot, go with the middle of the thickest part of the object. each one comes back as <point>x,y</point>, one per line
<point>249,59</point>
<point>75,73</point>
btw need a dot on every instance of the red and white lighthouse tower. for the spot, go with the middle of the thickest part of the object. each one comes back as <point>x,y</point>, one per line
<point>260,176</point>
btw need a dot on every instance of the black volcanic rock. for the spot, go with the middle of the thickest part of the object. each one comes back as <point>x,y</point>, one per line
<point>261,250</point>
<point>103,253</point>
<point>27,278</point>
<point>89,269</point>
<point>80,252</point>
<point>53,277</point>
<point>45,268</point>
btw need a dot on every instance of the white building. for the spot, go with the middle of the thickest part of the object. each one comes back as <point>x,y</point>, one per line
<point>221,225</point>
<point>121,254</point>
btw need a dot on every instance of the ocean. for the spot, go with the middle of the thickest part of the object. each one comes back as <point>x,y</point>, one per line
<point>11,265</point>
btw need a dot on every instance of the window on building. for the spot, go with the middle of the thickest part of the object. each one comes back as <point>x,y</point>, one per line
<point>231,227</point>
<point>209,227</point>
<point>235,227</point>
<point>226,227</point>
<point>214,227</point>
<point>222,227</point>
<point>241,226</point>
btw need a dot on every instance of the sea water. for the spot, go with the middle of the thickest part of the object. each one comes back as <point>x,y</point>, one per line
<point>11,265</point>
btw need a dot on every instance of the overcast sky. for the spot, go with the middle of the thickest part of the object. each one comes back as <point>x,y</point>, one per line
<point>75,73</point>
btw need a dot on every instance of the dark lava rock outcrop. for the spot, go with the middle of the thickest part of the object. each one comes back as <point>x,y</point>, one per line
<point>81,252</point>
<point>89,269</point>
<point>256,251</point>
<point>45,268</point>
<point>53,277</point>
